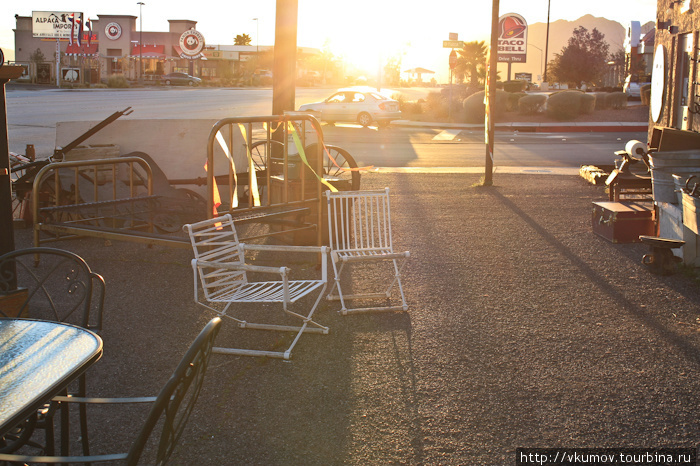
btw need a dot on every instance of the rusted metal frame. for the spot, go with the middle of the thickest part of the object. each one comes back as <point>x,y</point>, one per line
<point>251,166</point>
<point>285,164</point>
<point>53,168</point>
<point>59,153</point>
<point>284,119</point>
<point>71,231</point>
<point>86,216</point>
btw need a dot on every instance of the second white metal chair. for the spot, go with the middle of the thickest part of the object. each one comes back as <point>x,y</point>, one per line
<point>219,267</point>
<point>359,227</point>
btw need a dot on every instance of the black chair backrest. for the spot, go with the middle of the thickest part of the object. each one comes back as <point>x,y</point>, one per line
<point>52,284</point>
<point>176,400</point>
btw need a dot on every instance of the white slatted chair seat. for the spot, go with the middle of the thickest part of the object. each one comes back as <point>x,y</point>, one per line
<point>359,226</point>
<point>266,292</point>
<point>220,270</point>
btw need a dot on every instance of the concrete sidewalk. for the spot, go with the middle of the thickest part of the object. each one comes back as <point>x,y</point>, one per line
<point>525,330</point>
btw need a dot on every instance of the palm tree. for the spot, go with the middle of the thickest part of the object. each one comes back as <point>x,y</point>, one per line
<point>470,57</point>
<point>242,39</point>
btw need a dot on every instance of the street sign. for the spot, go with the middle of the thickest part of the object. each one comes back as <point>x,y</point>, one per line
<point>452,44</point>
<point>453,59</point>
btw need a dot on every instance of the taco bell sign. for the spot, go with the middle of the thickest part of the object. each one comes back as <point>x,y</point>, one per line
<point>512,38</point>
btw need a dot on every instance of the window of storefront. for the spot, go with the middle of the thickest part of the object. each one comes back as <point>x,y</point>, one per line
<point>115,66</point>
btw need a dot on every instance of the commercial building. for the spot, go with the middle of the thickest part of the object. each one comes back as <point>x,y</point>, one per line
<point>114,45</point>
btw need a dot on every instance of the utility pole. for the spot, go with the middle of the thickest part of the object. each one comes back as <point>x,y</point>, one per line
<point>284,67</point>
<point>546,47</point>
<point>491,96</point>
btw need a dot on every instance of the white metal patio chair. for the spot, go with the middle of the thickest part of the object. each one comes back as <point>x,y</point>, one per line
<point>359,226</point>
<point>219,267</point>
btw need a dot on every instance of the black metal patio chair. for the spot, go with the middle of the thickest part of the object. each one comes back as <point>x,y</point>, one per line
<point>55,285</point>
<point>171,409</point>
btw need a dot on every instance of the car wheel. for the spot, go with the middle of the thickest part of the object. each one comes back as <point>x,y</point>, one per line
<point>167,82</point>
<point>364,118</point>
<point>190,83</point>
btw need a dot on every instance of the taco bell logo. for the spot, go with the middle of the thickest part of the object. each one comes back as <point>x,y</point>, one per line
<point>512,38</point>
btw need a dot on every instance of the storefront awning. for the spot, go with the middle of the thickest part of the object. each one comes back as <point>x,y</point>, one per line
<point>83,50</point>
<point>148,51</point>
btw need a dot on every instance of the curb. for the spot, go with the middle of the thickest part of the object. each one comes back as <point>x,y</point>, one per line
<point>586,127</point>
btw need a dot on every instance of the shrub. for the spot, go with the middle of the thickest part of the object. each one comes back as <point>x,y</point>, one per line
<point>474,108</point>
<point>413,108</point>
<point>513,99</point>
<point>437,105</point>
<point>117,81</point>
<point>587,103</point>
<point>617,100</point>
<point>458,92</point>
<point>601,100</point>
<point>565,105</point>
<point>514,86</point>
<point>531,104</point>
<point>646,94</point>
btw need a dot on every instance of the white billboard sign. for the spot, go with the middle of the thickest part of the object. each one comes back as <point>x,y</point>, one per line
<point>53,24</point>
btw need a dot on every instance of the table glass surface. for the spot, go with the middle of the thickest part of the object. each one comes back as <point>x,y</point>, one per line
<point>38,359</point>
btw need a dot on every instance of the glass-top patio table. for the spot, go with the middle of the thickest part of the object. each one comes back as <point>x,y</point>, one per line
<point>39,359</point>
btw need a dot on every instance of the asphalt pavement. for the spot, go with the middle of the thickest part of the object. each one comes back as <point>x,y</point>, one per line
<point>525,329</point>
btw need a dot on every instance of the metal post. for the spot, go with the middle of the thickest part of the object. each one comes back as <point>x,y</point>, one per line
<point>58,63</point>
<point>541,51</point>
<point>140,4</point>
<point>7,234</point>
<point>546,44</point>
<point>491,92</point>
<point>257,38</point>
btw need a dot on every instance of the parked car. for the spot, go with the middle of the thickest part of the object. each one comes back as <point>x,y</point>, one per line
<point>180,79</point>
<point>353,105</point>
<point>633,85</point>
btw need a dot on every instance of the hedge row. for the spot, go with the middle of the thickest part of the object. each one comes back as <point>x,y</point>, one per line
<point>563,105</point>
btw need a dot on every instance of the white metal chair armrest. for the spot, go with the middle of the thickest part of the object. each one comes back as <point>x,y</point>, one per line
<point>284,248</point>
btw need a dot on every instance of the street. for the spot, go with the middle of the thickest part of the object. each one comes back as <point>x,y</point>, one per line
<point>33,114</point>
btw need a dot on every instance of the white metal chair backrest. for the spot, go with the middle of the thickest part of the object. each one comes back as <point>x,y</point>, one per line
<point>216,240</point>
<point>359,220</point>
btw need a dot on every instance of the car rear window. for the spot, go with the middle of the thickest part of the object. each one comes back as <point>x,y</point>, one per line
<point>378,96</point>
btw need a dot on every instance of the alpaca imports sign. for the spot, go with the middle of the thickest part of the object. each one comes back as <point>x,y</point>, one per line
<point>512,38</point>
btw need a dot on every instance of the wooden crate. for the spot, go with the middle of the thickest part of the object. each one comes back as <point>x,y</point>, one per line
<point>623,222</point>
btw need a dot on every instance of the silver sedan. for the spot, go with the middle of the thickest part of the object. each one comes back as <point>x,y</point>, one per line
<point>352,105</point>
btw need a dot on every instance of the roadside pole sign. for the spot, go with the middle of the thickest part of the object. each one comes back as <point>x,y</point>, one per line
<point>512,38</point>
<point>453,59</point>
<point>57,25</point>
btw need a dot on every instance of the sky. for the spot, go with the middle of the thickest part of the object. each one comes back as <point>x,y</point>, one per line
<point>364,32</point>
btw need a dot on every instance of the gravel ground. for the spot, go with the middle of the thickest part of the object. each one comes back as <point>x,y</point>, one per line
<point>525,330</point>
